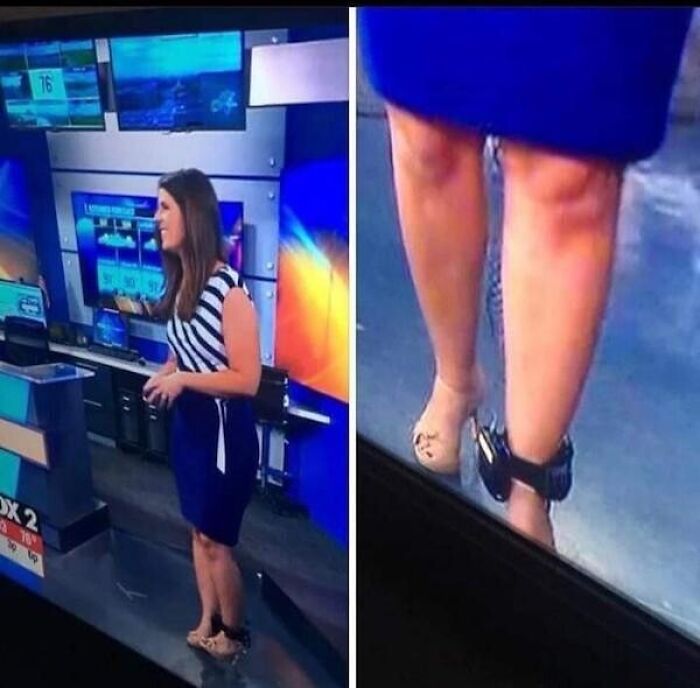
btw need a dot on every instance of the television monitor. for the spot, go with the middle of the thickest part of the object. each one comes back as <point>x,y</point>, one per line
<point>18,259</point>
<point>313,296</point>
<point>120,262</point>
<point>110,328</point>
<point>182,81</point>
<point>21,300</point>
<point>51,85</point>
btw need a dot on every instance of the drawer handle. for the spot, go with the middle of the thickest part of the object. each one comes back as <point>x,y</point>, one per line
<point>90,402</point>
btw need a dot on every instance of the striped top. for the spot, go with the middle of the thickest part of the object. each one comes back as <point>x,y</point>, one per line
<point>198,344</point>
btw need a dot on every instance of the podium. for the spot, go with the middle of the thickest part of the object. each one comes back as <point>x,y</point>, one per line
<point>44,455</point>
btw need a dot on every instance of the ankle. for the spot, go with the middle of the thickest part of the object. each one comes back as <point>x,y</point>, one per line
<point>237,634</point>
<point>464,382</point>
<point>525,494</point>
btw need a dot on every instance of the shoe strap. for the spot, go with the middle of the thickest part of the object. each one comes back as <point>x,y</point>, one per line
<point>238,634</point>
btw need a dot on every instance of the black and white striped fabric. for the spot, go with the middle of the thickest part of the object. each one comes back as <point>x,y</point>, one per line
<point>198,343</point>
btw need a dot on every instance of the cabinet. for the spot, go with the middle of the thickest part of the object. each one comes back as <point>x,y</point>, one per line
<point>98,396</point>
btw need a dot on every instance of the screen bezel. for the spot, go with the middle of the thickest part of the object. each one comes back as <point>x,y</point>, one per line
<point>479,570</point>
<point>100,90</point>
<point>244,94</point>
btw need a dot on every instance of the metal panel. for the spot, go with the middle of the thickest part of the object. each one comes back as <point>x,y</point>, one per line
<point>256,152</point>
<point>311,72</point>
<point>102,49</point>
<point>77,310</point>
<point>265,37</point>
<point>276,458</point>
<point>265,298</point>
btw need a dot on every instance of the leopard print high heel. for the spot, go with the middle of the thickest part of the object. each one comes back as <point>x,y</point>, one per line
<point>437,437</point>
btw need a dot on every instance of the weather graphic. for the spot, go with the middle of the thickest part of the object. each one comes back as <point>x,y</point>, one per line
<point>120,262</point>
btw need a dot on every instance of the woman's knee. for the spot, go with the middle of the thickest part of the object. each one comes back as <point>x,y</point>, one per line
<point>575,189</point>
<point>212,549</point>
<point>430,152</point>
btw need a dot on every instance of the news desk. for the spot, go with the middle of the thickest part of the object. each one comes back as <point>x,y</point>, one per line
<point>44,453</point>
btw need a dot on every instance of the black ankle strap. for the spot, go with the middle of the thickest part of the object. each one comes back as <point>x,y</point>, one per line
<point>551,480</point>
<point>239,634</point>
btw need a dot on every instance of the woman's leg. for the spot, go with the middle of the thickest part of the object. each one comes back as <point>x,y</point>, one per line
<point>442,209</point>
<point>227,580</point>
<point>205,585</point>
<point>228,584</point>
<point>559,238</point>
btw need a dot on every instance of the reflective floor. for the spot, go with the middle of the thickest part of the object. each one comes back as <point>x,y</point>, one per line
<point>632,518</point>
<point>144,596</point>
<point>136,583</point>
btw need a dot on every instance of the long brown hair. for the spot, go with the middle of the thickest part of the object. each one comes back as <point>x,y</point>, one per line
<point>187,272</point>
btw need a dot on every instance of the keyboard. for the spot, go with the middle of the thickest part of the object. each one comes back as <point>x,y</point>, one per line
<point>114,352</point>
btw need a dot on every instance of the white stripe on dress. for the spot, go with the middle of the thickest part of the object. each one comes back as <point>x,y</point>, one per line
<point>189,341</point>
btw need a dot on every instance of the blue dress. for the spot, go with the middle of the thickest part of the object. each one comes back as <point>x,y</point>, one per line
<point>213,443</point>
<point>583,81</point>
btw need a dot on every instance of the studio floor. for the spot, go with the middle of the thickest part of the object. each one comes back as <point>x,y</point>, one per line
<point>136,582</point>
<point>631,520</point>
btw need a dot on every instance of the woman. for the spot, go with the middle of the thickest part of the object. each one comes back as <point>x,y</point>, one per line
<point>209,378</point>
<point>574,95</point>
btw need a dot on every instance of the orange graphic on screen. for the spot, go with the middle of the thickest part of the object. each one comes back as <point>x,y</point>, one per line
<point>313,309</point>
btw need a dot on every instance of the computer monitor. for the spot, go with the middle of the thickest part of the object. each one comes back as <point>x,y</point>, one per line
<point>21,300</point>
<point>184,81</point>
<point>51,84</point>
<point>110,328</point>
<point>120,262</point>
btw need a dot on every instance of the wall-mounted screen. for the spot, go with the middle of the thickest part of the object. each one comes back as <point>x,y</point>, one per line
<point>311,338</point>
<point>120,262</point>
<point>184,81</point>
<point>17,250</point>
<point>51,84</point>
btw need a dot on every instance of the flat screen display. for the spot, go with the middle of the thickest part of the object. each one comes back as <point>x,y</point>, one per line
<point>51,84</point>
<point>483,326</point>
<point>311,335</point>
<point>183,81</point>
<point>21,300</point>
<point>110,328</point>
<point>18,259</point>
<point>120,262</point>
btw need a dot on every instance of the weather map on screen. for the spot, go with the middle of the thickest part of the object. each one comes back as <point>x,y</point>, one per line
<point>120,263</point>
<point>51,84</point>
<point>189,81</point>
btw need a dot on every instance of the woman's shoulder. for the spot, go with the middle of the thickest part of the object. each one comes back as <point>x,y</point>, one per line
<point>225,278</point>
<point>228,275</point>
